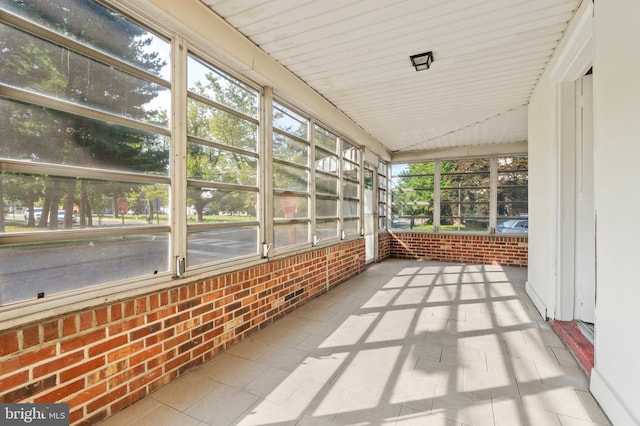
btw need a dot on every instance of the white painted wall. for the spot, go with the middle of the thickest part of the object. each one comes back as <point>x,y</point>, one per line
<point>552,171</point>
<point>617,177</point>
<point>542,197</point>
<point>616,83</point>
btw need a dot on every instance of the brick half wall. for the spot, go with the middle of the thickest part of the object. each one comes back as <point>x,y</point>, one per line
<point>384,245</point>
<point>104,359</point>
<point>484,249</point>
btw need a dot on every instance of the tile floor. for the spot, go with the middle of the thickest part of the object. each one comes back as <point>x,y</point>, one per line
<point>404,343</point>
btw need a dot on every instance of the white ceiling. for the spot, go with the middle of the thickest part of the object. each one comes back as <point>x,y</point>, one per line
<point>488,57</point>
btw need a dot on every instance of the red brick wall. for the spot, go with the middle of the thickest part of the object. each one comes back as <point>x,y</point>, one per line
<point>486,249</point>
<point>101,360</point>
<point>384,245</point>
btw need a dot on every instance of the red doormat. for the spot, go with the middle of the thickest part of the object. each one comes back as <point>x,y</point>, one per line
<point>581,348</point>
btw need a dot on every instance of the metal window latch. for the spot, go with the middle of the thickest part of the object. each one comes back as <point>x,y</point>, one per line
<point>181,265</point>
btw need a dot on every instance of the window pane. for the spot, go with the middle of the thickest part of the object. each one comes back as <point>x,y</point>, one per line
<point>413,208</point>
<point>85,81</point>
<point>211,205</point>
<point>290,234</point>
<point>219,244</point>
<point>103,29</point>
<point>512,195</point>
<point>326,207</point>
<point>291,150</point>
<point>290,122</point>
<point>290,206</point>
<point>352,226</point>
<point>513,165</point>
<point>464,195</point>
<point>512,210</point>
<point>325,139</point>
<point>413,175</point>
<point>328,163</point>
<point>466,166</point>
<point>61,266</point>
<point>326,184</point>
<point>382,182</point>
<point>351,208</point>
<point>351,152</point>
<point>215,125</point>
<point>419,223</point>
<point>465,210</point>
<point>462,180</point>
<point>48,202</point>
<point>327,230</point>
<point>213,84</point>
<point>468,217</point>
<point>64,155</point>
<point>350,171</point>
<point>42,135</point>
<point>350,189</point>
<point>290,178</point>
<point>513,226</point>
<point>217,165</point>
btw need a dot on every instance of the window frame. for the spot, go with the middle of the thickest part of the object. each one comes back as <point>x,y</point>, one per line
<point>491,186</point>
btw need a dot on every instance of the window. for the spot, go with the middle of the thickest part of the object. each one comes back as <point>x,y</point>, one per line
<point>85,149</point>
<point>512,195</point>
<point>382,195</point>
<point>464,195</point>
<point>222,166</point>
<point>327,175</point>
<point>413,195</point>
<point>100,186</point>
<point>351,160</point>
<point>290,175</point>
<point>457,195</point>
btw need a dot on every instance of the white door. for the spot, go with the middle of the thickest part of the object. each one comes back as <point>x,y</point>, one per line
<point>370,231</point>
<point>585,209</point>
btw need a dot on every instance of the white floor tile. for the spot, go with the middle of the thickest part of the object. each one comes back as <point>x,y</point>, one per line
<point>404,343</point>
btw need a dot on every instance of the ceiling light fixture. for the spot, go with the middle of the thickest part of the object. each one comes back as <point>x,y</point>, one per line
<point>422,61</point>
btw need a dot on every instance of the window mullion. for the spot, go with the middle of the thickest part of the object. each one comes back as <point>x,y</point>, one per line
<point>178,201</point>
<point>493,194</point>
<point>436,195</point>
<point>341,179</point>
<point>312,181</point>
<point>266,163</point>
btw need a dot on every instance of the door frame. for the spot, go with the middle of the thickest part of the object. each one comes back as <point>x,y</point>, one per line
<point>371,253</point>
<point>573,59</point>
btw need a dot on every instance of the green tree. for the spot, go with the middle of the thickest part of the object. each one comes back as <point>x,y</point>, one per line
<point>412,195</point>
<point>212,164</point>
<point>60,138</point>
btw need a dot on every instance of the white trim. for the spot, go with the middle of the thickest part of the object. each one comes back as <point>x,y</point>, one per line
<point>502,149</point>
<point>606,396</point>
<point>538,302</point>
<point>574,53</point>
<point>572,59</point>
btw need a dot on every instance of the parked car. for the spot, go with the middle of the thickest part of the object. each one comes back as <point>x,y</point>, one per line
<point>61,214</point>
<point>37,213</point>
<point>513,226</point>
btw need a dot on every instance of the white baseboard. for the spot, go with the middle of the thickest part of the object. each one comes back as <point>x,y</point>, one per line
<point>536,299</point>
<point>613,406</point>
